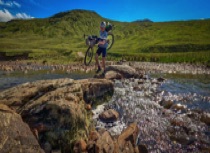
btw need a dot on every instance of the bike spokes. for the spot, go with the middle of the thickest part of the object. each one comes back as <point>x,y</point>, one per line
<point>88,56</point>
<point>110,39</point>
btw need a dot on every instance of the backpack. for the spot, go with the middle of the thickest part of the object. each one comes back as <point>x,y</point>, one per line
<point>108,27</point>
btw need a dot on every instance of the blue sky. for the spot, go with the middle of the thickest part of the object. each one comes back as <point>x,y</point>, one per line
<point>121,10</point>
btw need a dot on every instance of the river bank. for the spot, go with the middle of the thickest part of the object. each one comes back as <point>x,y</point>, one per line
<point>145,67</point>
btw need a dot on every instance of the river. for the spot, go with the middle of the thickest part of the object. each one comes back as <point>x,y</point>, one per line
<point>137,100</point>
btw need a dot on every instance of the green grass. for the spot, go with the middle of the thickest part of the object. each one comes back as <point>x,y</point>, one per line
<point>59,38</point>
<point>186,57</point>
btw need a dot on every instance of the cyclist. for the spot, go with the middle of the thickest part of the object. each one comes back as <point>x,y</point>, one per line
<point>102,46</point>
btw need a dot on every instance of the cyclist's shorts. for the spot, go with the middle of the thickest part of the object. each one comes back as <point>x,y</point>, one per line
<point>101,50</point>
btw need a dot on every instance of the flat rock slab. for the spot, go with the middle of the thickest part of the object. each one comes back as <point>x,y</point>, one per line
<point>118,72</point>
<point>125,70</point>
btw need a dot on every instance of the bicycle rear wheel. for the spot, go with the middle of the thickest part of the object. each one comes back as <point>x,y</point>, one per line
<point>88,56</point>
<point>110,39</point>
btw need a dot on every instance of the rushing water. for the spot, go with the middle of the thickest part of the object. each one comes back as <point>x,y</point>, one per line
<point>190,90</point>
<point>163,130</point>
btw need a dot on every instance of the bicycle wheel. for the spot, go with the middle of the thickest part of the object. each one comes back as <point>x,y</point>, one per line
<point>110,39</point>
<point>88,56</point>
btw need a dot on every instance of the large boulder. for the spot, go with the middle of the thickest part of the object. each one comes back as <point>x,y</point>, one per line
<point>55,109</point>
<point>15,135</point>
<point>124,71</point>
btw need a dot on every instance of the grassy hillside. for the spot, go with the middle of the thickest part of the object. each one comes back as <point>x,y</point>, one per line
<point>60,37</point>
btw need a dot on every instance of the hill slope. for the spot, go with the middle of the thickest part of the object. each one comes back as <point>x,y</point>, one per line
<point>62,34</point>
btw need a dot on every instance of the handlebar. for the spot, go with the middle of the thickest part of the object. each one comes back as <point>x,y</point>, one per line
<point>113,27</point>
<point>90,36</point>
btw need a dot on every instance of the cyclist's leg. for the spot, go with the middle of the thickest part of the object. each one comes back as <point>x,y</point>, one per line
<point>104,58</point>
<point>98,53</point>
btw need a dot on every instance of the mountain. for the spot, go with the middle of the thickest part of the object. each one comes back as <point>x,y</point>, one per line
<point>63,33</point>
<point>60,25</point>
<point>143,20</point>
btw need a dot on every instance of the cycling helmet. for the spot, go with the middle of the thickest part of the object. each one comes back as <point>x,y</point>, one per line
<point>103,24</point>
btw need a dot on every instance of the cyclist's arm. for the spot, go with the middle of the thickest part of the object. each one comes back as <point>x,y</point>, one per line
<point>102,42</point>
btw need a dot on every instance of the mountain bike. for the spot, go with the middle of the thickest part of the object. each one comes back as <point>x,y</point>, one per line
<point>91,41</point>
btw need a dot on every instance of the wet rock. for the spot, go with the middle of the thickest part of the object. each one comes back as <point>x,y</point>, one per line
<point>137,88</point>
<point>166,104</point>
<point>80,146</point>
<point>167,112</point>
<point>178,121</point>
<point>93,136</point>
<point>103,144</point>
<point>128,139</point>
<point>47,147</point>
<point>160,79</point>
<point>109,116</point>
<point>35,133</point>
<point>194,115</point>
<point>141,81</point>
<point>96,88</point>
<point>124,70</point>
<point>178,107</point>
<point>7,68</point>
<point>206,149</point>
<point>126,142</point>
<point>205,117</point>
<point>88,107</point>
<point>106,143</point>
<point>155,81</point>
<point>15,135</point>
<point>142,148</point>
<point>145,77</point>
<point>183,139</point>
<point>110,75</point>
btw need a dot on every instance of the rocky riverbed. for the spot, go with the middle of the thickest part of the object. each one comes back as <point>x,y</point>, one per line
<point>65,115</point>
<point>172,68</point>
<point>146,67</point>
<point>164,126</point>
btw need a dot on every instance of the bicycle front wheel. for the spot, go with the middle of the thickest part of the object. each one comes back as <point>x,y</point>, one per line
<point>88,56</point>
<point>110,39</point>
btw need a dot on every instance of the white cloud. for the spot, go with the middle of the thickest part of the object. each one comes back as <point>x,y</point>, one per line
<point>5,16</point>
<point>16,4</point>
<point>23,16</point>
<point>34,2</point>
<point>10,3</point>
